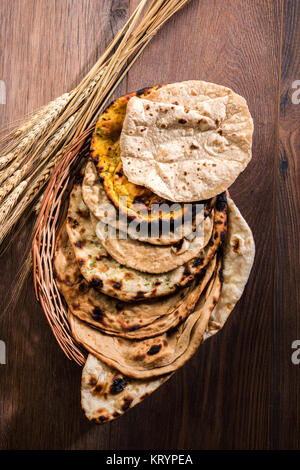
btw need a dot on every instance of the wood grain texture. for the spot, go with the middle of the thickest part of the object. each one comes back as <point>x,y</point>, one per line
<point>240,389</point>
<point>286,376</point>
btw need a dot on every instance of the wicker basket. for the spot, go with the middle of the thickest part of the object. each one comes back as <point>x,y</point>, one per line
<point>51,216</point>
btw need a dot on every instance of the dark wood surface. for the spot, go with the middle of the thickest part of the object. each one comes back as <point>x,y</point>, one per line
<point>241,390</point>
<point>286,375</point>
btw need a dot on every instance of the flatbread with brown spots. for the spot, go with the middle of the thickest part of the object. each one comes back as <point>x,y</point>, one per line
<point>98,203</point>
<point>106,394</point>
<point>104,273</point>
<point>156,356</point>
<point>105,152</point>
<point>238,258</point>
<point>130,320</point>
<point>186,141</point>
<point>133,251</point>
<point>101,405</point>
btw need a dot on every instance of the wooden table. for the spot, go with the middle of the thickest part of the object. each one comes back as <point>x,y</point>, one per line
<point>241,390</point>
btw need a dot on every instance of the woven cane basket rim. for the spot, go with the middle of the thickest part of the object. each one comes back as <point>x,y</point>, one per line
<point>49,221</point>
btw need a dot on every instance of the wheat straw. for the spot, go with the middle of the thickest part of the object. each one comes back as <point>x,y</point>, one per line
<point>34,117</point>
<point>84,102</point>
<point>33,128</point>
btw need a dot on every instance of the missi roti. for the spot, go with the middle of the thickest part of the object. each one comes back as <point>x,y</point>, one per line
<point>105,152</point>
<point>108,276</point>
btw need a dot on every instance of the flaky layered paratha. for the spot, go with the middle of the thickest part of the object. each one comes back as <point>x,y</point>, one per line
<point>106,394</point>
<point>156,356</point>
<point>130,320</point>
<point>186,141</point>
<point>107,275</point>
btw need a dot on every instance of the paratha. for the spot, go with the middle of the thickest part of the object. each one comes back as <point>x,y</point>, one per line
<point>106,394</point>
<point>105,152</point>
<point>238,260</point>
<point>156,356</point>
<point>107,275</point>
<point>130,320</point>
<point>186,141</point>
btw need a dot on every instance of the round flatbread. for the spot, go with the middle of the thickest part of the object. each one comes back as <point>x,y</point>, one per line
<point>95,198</point>
<point>106,394</point>
<point>186,141</point>
<point>238,256</point>
<point>130,320</point>
<point>107,275</point>
<point>153,259</point>
<point>239,252</point>
<point>136,202</point>
<point>156,356</point>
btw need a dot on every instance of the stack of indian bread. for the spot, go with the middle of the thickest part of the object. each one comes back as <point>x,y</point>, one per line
<point>154,254</point>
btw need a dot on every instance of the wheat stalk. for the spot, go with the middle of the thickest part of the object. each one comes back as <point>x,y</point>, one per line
<point>18,175</point>
<point>27,133</point>
<point>35,147</point>
<point>33,190</point>
<point>11,201</point>
<point>54,107</point>
<point>32,119</point>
